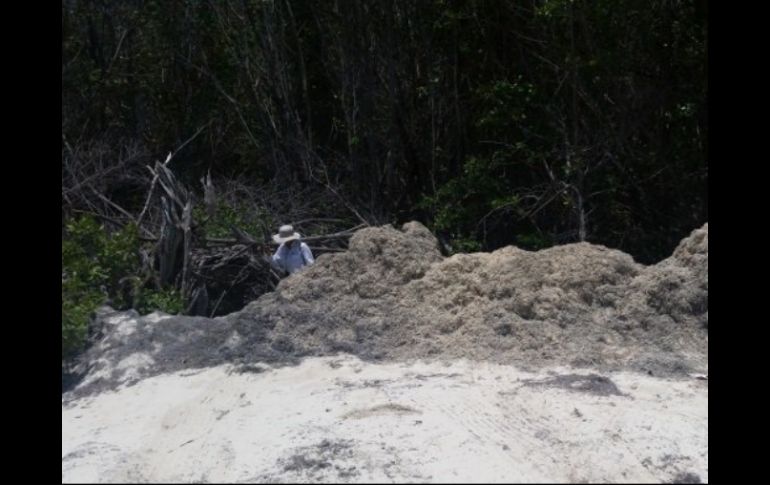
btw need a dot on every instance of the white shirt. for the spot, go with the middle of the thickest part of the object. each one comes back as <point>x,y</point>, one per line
<point>294,258</point>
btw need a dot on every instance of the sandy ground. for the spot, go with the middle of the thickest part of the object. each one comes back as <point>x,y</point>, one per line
<point>338,419</point>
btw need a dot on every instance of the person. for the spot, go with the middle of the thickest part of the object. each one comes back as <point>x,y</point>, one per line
<point>292,253</point>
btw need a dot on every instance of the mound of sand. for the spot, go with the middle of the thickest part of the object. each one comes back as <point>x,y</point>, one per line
<point>393,296</point>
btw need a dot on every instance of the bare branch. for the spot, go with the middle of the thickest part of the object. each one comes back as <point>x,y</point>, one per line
<point>152,188</point>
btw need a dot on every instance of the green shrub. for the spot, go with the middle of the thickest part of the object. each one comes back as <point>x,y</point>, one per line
<point>225,216</point>
<point>167,301</point>
<point>100,267</point>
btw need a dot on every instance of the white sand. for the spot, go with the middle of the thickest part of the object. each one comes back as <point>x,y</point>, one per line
<point>343,420</point>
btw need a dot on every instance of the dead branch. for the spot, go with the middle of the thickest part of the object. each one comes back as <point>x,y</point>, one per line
<point>152,189</point>
<point>243,237</point>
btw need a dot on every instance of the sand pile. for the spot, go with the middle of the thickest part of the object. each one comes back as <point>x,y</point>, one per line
<point>393,296</point>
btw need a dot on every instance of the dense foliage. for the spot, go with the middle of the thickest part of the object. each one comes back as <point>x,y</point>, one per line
<point>534,123</point>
